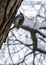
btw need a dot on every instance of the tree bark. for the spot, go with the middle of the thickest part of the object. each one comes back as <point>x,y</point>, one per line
<point>8,10</point>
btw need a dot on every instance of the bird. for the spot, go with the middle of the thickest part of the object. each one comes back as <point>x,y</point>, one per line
<point>19,19</point>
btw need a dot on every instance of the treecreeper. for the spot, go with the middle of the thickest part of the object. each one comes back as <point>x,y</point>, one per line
<point>8,10</point>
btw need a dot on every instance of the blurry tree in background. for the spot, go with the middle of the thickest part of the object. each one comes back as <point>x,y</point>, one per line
<point>26,41</point>
<point>8,10</point>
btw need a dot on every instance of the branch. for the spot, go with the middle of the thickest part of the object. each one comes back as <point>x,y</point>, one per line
<point>41,51</point>
<point>24,58</point>
<point>33,30</point>
<point>42,28</point>
<point>40,16</point>
<point>42,40</point>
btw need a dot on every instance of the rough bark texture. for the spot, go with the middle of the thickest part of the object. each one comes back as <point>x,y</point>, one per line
<point>8,10</point>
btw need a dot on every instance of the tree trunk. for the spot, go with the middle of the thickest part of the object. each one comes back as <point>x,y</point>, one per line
<point>8,10</point>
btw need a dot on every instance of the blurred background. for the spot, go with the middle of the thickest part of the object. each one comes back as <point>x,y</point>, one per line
<point>18,48</point>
